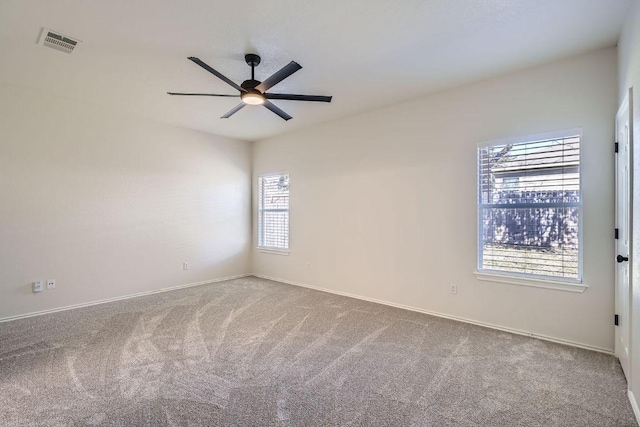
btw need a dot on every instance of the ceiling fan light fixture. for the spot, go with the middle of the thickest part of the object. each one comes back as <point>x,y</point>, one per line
<point>252,97</point>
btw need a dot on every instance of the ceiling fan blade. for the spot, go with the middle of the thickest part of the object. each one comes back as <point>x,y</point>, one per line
<point>215,73</point>
<point>276,110</point>
<point>279,76</point>
<point>202,94</point>
<point>233,110</point>
<point>290,97</point>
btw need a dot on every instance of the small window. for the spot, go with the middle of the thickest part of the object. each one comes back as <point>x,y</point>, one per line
<point>510,182</point>
<point>273,211</point>
<point>530,207</point>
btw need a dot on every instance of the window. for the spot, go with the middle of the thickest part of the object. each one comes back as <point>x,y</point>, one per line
<point>510,182</point>
<point>273,211</point>
<point>530,208</point>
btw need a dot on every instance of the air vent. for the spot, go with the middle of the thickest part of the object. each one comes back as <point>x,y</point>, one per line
<point>57,41</point>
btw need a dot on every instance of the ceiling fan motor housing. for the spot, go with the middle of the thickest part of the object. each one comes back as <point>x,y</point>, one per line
<point>250,84</point>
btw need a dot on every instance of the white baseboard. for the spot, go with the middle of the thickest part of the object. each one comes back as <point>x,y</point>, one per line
<point>104,301</point>
<point>346,294</point>
<point>634,406</point>
<point>446,316</point>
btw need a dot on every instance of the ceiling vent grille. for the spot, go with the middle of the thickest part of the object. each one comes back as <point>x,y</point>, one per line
<point>57,41</point>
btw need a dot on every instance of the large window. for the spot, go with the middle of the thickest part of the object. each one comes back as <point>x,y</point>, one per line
<point>273,211</point>
<point>529,207</point>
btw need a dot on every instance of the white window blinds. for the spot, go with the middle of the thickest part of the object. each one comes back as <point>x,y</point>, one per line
<point>273,211</point>
<point>529,207</point>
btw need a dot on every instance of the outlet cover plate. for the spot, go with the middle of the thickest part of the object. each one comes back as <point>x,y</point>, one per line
<point>37,286</point>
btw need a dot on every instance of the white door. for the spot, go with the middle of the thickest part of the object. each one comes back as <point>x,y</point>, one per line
<point>623,215</point>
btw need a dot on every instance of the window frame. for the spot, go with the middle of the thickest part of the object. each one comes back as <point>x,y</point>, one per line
<point>526,279</point>
<point>259,212</point>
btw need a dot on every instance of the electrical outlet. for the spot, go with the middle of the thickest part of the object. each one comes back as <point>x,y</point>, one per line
<point>37,286</point>
<point>453,289</point>
<point>185,265</point>
<point>308,266</point>
<point>51,284</point>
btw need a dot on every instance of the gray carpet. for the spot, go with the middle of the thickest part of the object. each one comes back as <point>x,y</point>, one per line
<point>252,352</point>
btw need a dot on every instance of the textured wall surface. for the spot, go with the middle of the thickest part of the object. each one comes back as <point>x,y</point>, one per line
<point>383,204</point>
<point>111,204</point>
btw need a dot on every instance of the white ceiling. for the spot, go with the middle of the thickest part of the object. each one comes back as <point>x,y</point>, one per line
<point>366,53</point>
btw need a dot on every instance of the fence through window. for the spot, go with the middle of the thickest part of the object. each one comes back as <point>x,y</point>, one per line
<point>529,208</point>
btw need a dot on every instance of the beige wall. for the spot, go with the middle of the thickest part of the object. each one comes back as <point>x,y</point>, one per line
<point>383,204</point>
<point>629,66</point>
<point>111,205</point>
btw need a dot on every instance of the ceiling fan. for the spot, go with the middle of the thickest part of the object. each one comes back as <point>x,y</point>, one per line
<point>254,92</point>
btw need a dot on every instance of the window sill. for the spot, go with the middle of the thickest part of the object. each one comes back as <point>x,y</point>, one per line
<point>557,285</point>
<point>273,251</point>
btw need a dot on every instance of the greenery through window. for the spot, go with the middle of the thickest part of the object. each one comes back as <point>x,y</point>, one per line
<point>529,207</point>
